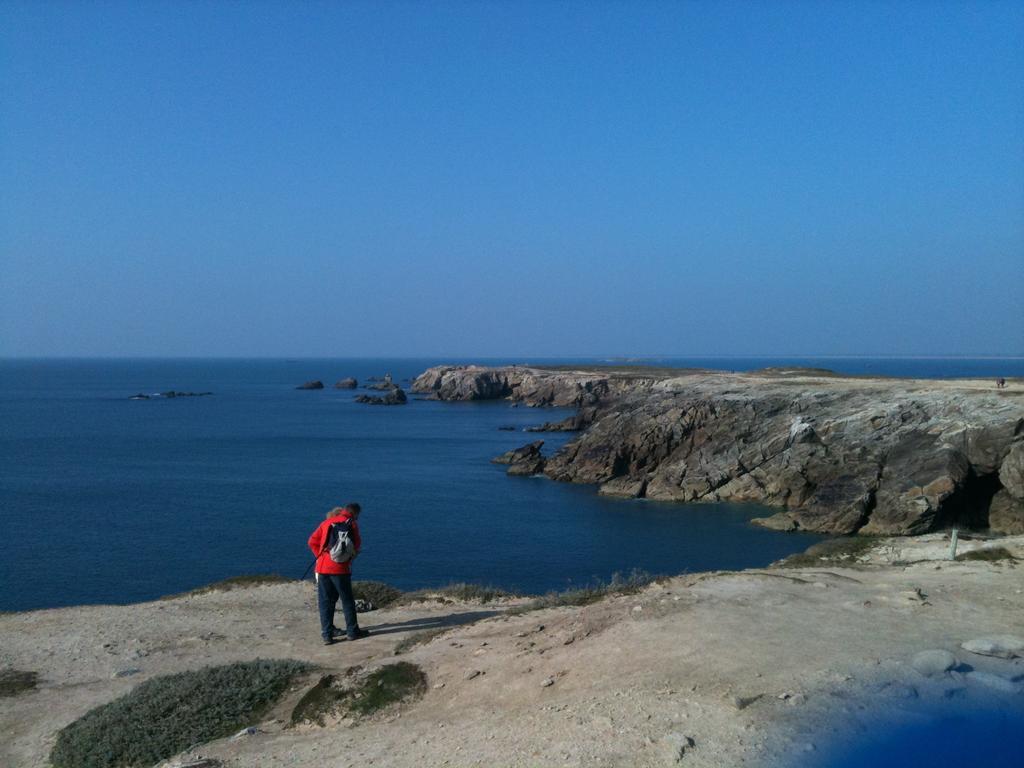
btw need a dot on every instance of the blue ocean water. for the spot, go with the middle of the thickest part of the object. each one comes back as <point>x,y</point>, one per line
<point>962,735</point>
<point>106,499</point>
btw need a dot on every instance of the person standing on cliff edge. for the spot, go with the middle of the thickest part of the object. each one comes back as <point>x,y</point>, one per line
<point>335,544</point>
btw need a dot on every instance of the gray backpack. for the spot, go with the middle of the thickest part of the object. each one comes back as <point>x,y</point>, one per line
<point>340,544</point>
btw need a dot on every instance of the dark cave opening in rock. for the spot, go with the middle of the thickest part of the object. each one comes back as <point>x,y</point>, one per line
<point>968,506</point>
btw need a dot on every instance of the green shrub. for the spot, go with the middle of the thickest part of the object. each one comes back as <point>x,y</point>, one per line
<point>377,592</point>
<point>15,681</point>
<point>378,690</point>
<point>166,715</point>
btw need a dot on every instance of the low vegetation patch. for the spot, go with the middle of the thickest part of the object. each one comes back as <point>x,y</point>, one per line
<point>841,551</point>
<point>376,592</point>
<point>460,592</point>
<point>384,687</point>
<point>15,681</point>
<point>422,637</point>
<point>235,582</point>
<point>989,554</point>
<point>388,685</point>
<point>166,715</point>
<point>619,585</point>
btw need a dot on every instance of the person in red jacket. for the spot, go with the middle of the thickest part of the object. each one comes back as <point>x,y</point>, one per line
<point>334,580</point>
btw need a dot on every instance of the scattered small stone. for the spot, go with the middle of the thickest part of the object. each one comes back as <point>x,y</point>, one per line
<point>1002,646</point>
<point>547,682</point>
<point>569,640</point>
<point>127,672</point>
<point>638,607</point>
<point>742,702</point>
<point>674,747</point>
<point>252,730</point>
<point>934,662</point>
<point>471,673</point>
<point>438,686</point>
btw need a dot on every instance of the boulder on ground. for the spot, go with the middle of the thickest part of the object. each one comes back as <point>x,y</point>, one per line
<point>1002,646</point>
<point>1006,514</point>
<point>316,384</point>
<point>934,662</point>
<point>1011,472</point>
<point>348,383</point>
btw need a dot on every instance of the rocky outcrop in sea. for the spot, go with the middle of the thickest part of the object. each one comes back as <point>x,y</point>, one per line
<point>526,460</point>
<point>835,454</point>
<point>317,384</point>
<point>168,394</point>
<point>395,396</point>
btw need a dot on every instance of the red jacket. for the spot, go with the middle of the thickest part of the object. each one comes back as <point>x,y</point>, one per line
<point>318,542</point>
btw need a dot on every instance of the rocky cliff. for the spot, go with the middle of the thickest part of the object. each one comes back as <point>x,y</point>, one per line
<point>836,454</point>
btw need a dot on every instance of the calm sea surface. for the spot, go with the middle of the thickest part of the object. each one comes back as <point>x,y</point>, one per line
<point>106,499</point>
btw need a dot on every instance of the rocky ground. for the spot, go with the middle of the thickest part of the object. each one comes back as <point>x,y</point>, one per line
<point>836,454</point>
<point>760,667</point>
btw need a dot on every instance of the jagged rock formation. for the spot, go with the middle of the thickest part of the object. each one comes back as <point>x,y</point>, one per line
<point>526,460</point>
<point>347,383</point>
<point>311,385</point>
<point>838,454</point>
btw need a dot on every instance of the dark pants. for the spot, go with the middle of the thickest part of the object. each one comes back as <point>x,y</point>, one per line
<point>329,587</point>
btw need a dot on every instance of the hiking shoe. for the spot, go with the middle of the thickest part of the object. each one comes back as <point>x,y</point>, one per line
<point>360,633</point>
<point>338,634</point>
<point>328,641</point>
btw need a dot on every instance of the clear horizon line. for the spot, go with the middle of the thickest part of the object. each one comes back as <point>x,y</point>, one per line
<point>607,357</point>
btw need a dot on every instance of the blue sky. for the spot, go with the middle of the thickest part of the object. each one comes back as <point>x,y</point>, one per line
<point>199,178</point>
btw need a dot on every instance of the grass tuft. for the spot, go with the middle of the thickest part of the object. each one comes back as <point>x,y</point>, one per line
<point>841,551</point>
<point>422,637</point>
<point>989,554</point>
<point>168,714</point>
<point>460,592</point>
<point>235,582</point>
<point>16,681</point>
<point>619,585</point>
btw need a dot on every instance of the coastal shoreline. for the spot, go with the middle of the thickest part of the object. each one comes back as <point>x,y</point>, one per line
<point>837,454</point>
